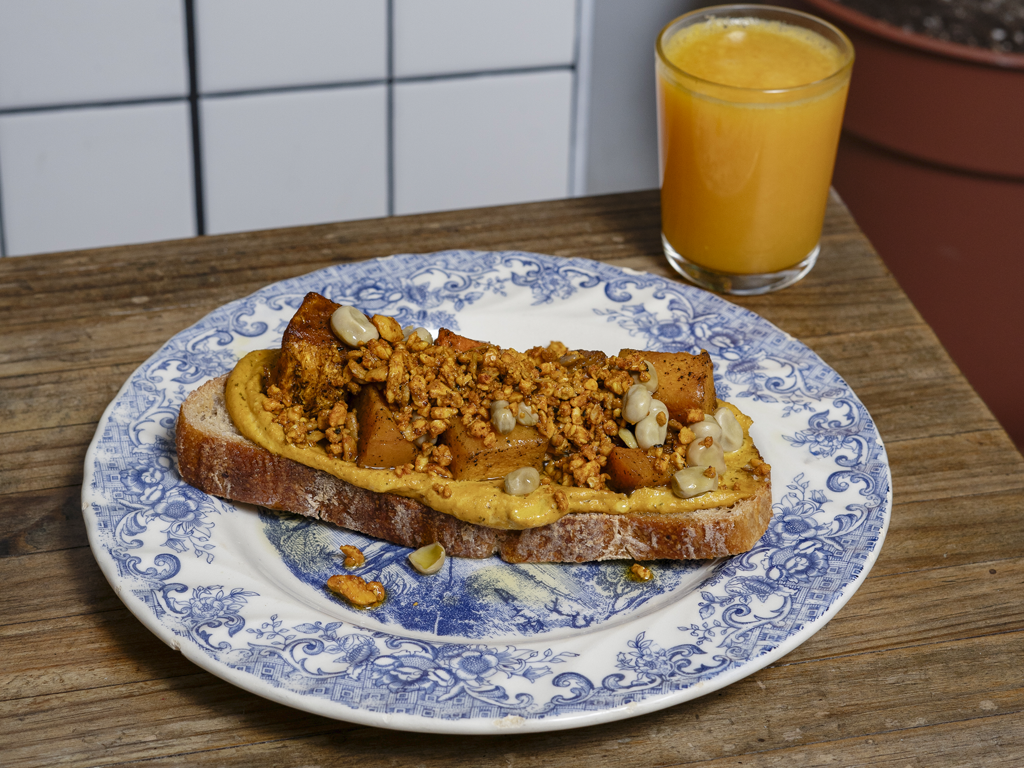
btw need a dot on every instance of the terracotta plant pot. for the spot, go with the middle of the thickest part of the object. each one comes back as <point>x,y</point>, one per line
<point>931,164</point>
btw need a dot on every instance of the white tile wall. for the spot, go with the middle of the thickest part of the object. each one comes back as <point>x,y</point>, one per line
<point>74,52</point>
<point>484,140</point>
<point>252,44</point>
<point>84,178</point>
<point>310,112</point>
<point>293,158</point>
<point>448,36</point>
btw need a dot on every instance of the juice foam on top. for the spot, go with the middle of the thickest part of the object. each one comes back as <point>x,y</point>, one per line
<point>753,53</point>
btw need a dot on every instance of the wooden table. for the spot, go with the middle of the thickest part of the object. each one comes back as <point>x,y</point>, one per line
<point>923,667</point>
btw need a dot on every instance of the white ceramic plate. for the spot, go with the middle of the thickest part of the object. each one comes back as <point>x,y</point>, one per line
<point>483,646</point>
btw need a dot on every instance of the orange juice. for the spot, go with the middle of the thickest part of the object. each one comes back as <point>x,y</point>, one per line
<point>749,115</point>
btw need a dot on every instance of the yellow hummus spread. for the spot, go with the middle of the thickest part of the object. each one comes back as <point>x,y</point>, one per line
<point>481,502</point>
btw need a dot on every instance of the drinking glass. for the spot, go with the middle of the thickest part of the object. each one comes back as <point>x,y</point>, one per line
<point>747,150</point>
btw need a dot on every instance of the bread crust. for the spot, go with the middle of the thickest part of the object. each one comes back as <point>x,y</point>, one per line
<point>214,457</point>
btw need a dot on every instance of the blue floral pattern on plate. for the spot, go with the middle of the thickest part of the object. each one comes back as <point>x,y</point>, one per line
<point>486,646</point>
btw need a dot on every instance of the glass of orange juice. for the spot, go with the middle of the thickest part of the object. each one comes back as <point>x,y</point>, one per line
<point>750,105</point>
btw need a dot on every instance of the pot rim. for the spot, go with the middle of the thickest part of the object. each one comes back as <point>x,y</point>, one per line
<point>877,28</point>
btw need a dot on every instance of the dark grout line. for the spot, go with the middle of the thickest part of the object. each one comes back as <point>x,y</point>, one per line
<point>477,74</point>
<point>193,102</point>
<point>300,88</point>
<point>388,81</point>
<point>570,190</point>
<point>389,114</point>
<point>94,105</point>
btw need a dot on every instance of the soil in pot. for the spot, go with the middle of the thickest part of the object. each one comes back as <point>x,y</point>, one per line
<point>997,25</point>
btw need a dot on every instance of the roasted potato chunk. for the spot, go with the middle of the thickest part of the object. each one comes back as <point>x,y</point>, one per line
<point>583,358</point>
<point>311,357</point>
<point>685,381</point>
<point>472,460</point>
<point>632,468</point>
<point>447,338</point>
<point>381,443</point>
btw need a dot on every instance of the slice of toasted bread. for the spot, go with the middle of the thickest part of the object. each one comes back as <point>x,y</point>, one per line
<point>214,457</point>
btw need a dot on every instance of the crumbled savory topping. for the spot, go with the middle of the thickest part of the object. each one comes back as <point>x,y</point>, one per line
<point>443,490</point>
<point>353,556</point>
<point>561,501</point>
<point>357,590</point>
<point>576,398</point>
<point>640,573</point>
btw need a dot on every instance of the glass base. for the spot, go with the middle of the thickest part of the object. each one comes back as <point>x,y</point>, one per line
<point>736,284</point>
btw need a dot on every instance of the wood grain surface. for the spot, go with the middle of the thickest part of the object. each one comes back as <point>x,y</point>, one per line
<point>923,667</point>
